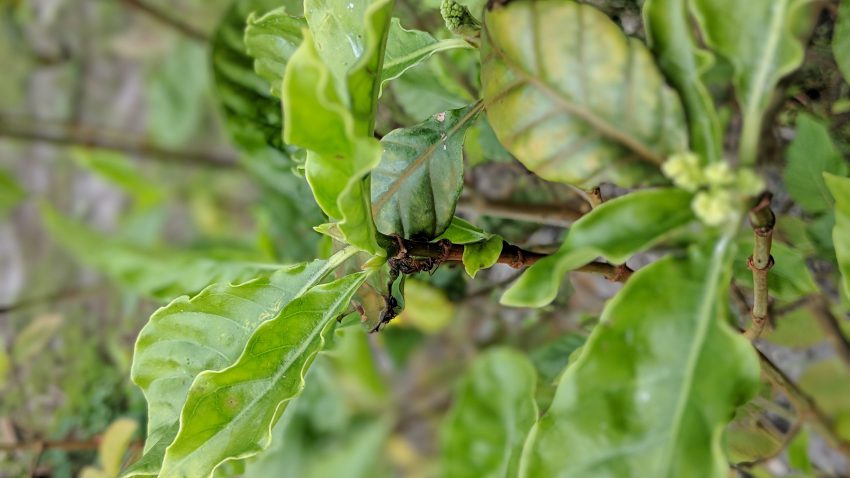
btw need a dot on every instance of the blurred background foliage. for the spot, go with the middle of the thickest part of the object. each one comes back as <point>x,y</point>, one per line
<point>131,171</point>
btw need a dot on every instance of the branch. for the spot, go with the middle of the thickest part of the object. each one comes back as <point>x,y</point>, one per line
<point>511,255</point>
<point>165,19</point>
<point>69,294</point>
<point>75,135</point>
<point>550,215</point>
<point>806,408</point>
<point>762,221</point>
<point>819,308</point>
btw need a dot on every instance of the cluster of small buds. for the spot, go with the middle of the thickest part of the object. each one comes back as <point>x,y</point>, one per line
<point>718,188</point>
<point>458,19</point>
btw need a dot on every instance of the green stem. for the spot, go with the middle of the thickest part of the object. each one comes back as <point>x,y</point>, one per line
<point>762,221</point>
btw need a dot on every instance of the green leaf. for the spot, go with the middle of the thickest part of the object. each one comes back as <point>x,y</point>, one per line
<point>352,42</point>
<point>789,278</point>
<point>482,255</point>
<point>810,155</point>
<point>252,115</point>
<point>158,273</point>
<point>827,381</point>
<point>176,93</point>
<point>494,408</point>
<point>408,48</point>
<point>119,170</point>
<point>207,332</point>
<point>271,40</point>
<point>461,231</point>
<point>423,92</point>
<point>616,230</point>
<point>798,452</point>
<point>229,413</point>
<point>580,108</point>
<point>551,359</point>
<point>669,32</point>
<point>426,307</point>
<point>763,40</point>
<point>416,185</point>
<point>338,160</point>
<point>656,383</point>
<point>840,189</point>
<point>841,39</point>
<point>11,193</point>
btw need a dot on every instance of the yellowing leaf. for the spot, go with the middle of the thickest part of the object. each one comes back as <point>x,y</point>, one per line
<point>114,443</point>
<point>573,98</point>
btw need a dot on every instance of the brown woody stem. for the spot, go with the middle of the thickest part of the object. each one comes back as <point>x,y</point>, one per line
<point>762,221</point>
<point>511,255</point>
<point>76,135</point>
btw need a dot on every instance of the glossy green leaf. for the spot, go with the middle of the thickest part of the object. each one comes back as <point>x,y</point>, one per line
<point>408,48</point>
<point>482,255</point>
<point>158,273</point>
<point>337,162</point>
<point>423,91</point>
<point>810,155</point>
<point>840,189</point>
<point>461,231</point>
<point>656,382</point>
<point>580,108</point>
<point>11,193</point>
<point>763,40</point>
<point>616,230</point>
<point>416,185</point>
<point>551,359</point>
<point>789,279</point>
<point>670,35</point>
<point>272,39</point>
<point>841,39</point>
<point>207,332</point>
<point>229,413</point>
<point>494,408</point>
<point>352,42</point>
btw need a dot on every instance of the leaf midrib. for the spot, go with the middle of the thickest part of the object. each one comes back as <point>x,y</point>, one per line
<point>417,163</point>
<point>712,280</point>
<point>285,366</point>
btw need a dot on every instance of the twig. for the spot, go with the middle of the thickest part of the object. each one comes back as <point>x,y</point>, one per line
<point>38,446</point>
<point>806,408</point>
<point>762,221</point>
<point>511,255</point>
<point>819,307</point>
<point>75,135</point>
<point>165,19</point>
<point>550,215</point>
<point>63,295</point>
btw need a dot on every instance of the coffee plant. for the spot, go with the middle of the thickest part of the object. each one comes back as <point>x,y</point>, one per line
<point>657,113</point>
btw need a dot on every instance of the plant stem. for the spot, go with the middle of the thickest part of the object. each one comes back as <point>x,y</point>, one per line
<point>806,408</point>
<point>75,135</point>
<point>165,19</point>
<point>819,308</point>
<point>511,255</point>
<point>550,215</point>
<point>762,221</point>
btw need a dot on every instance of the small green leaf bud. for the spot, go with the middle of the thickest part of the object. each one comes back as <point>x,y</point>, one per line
<point>684,170</point>
<point>458,19</point>
<point>714,207</point>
